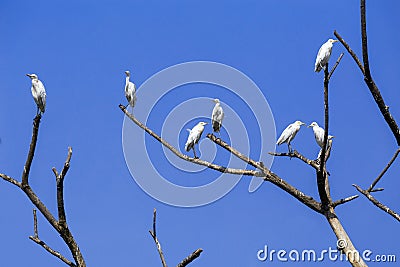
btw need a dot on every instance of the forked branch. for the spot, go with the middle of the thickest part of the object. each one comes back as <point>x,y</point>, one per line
<point>184,262</point>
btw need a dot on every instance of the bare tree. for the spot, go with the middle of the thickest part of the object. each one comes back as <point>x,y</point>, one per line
<point>325,206</point>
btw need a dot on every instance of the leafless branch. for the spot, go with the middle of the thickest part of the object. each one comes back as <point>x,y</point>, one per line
<point>154,236</point>
<point>190,258</point>
<point>60,226</point>
<point>344,200</point>
<point>377,203</point>
<point>351,52</point>
<point>32,147</point>
<point>10,180</point>
<point>297,155</point>
<point>35,238</point>
<point>384,170</point>
<point>335,66</point>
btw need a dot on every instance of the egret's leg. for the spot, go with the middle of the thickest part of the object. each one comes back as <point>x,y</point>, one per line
<point>194,152</point>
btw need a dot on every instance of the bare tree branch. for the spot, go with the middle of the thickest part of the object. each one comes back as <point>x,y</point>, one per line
<point>344,200</point>
<point>377,203</point>
<point>351,52</point>
<point>35,238</point>
<point>187,158</point>
<point>32,147</point>
<point>384,170</point>
<point>154,236</point>
<point>271,177</point>
<point>265,173</point>
<point>190,258</point>
<point>60,189</point>
<point>10,180</point>
<point>335,66</point>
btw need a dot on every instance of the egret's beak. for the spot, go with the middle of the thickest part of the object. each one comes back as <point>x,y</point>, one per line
<point>309,126</point>
<point>335,41</point>
<point>29,75</point>
<point>302,123</point>
<point>331,137</point>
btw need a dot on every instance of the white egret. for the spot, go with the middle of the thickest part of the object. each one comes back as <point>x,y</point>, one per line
<point>289,133</point>
<point>217,116</point>
<point>324,54</point>
<point>194,137</point>
<point>130,90</point>
<point>38,93</point>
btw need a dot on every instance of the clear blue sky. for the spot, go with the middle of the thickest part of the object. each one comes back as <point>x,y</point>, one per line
<point>80,50</point>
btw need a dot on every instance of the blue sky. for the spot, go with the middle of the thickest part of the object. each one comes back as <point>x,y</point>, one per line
<point>80,50</point>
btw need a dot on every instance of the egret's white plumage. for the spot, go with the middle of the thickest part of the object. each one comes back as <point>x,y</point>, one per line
<point>289,133</point>
<point>130,90</point>
<point>318,133</point>
<point>324,54</point>
<point>217,116</point>
<point>38,93</point>
<point>328,144</point>
<point>194,137</point>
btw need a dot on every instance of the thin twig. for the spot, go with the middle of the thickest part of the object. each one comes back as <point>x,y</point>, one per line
<point>187,158</point>
<point>10,180</point>
<point>32,147</point>
<point>377,203</point>
<point>384,170</point>
<point>190,258</point>
<point>297,155</point>
<point>373,88</point>
<point>344,200</point>
<point>271,177</point>
<point>154,236</point>
<point>377,190</point>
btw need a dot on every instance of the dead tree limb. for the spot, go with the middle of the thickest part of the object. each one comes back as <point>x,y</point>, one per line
<point>371,187</point>
<point>153,234</point>
<point>377,203</point>
<point>376,94</point>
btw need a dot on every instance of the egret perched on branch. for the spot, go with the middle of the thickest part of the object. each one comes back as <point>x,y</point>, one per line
<point>130,90</point>
<point>319,134</point>
<point>38,93</point>
<point>289,133</point>
<point>324,54</point>
<point>217,116</point>
<point>194,137</point>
